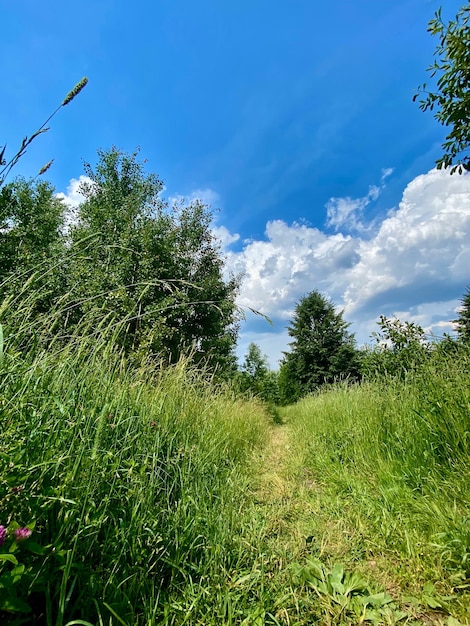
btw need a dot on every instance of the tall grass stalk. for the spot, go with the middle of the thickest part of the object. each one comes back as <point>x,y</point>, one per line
<point>135,477</point>
<point>391,460</point>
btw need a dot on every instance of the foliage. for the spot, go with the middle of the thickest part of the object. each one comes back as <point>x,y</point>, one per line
<point>31,244</point>
<point>135,480</point>
<point>400,347</point>
<point>346,594</point>
<point>256,377</point>
<point>144,489</point>
<point>127,267</point>
<point>463,320</point>
<point>31,223</point>
<point>159,270</point>
<point>6,166</point>
<point>322,351</point>
<point>451,99</point>
<point>386,464</point>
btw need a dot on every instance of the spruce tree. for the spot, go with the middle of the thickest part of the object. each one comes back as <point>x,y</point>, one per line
<point>463,320</point>
<point>322,350</point>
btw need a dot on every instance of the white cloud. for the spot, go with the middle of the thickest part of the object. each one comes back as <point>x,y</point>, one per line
<point>73,197</point>
<point>205,196</point>
<point>414,264</point>
<point>386,172</point>
<point>421,247</point>
<point>280,269</point>
<point>347,213</point>
<point>224,236</point>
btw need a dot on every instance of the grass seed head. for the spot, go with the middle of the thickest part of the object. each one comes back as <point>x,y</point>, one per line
<point>75,91</point>
<point>44,168</point>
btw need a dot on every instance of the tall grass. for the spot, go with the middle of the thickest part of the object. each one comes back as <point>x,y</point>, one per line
<point>392,459</point>
<point>132,479</point>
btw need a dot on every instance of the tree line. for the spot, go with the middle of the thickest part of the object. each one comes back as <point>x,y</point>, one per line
<point>323,351</point>
<point>128,267</point>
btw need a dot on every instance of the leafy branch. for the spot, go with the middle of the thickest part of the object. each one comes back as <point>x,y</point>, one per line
<point>451,99</point>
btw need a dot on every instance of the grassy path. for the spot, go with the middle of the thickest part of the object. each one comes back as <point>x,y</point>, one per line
<point>315,552</point>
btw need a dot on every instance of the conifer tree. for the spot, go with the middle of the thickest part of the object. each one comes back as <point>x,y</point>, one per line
<point>463,320</point>
<point>322,349</point>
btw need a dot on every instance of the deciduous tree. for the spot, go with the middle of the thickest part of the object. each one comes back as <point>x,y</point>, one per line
<point>400,348</point>
<point>256,377</point>
<point>155,270</point>
<point>31,239</point>
<point>450,98</point>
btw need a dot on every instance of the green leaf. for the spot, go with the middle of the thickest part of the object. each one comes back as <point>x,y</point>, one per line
<point>10,558</point>
<point>355,583</point>
<point>337,573</point>
<point>15,605</point>
<point>34,548</point>
<point>431,602</point>
<point>377,599</point>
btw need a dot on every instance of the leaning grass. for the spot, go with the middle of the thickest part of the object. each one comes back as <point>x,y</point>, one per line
<point>135,479</point>
<point>155,500</point>
<point>389,462</point>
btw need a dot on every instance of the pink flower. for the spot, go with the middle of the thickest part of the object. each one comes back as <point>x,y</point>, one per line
<point>22,533</point>
<point>3,534</point>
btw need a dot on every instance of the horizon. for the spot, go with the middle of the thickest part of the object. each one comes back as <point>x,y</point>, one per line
<point>295,124</point>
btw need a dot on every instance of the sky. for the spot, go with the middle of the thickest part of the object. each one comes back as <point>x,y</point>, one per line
<point>293,120</point>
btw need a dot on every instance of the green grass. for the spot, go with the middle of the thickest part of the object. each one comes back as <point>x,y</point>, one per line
<point>135,482</point>
<point>156,497</point>
<point>388,465</point>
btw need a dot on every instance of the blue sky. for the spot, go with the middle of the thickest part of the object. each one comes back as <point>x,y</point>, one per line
<point>293,119</point>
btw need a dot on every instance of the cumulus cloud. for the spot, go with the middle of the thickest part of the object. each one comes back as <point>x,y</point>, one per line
<point>414,264</point>
<point>421,247</point>
<point>224,236</point>
<point>73,197</point>
<point>293,260</point>
<point>347,213</point>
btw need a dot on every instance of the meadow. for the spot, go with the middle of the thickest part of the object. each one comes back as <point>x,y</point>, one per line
<point>136,495</point>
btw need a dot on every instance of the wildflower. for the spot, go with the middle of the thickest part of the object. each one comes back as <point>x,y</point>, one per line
<point>3,534</point>
<point>22,533</point>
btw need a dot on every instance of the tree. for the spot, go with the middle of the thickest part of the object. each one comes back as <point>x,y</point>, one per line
<point>31,221</point>
<point>401,347</point>
<point>154,272</point>
<point>31,239</point>
<point>463,320</point>
<point>256,377</point>
<point>322,351</point>
<point>255,365</point>
<point>451,99</point>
